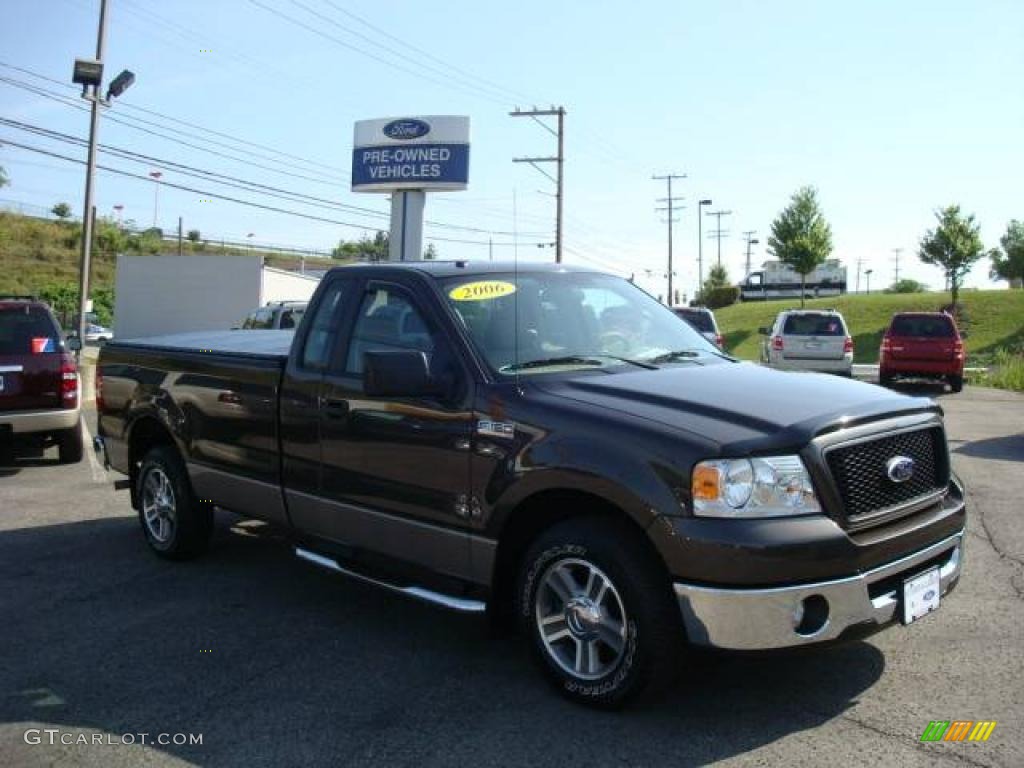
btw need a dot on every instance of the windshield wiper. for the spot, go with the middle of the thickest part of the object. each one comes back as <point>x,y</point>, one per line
<point>676,356</point>
<point>546,361</point>
<point>595,359</point>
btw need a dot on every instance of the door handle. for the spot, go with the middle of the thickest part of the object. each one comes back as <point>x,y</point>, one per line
<point>334,409</point>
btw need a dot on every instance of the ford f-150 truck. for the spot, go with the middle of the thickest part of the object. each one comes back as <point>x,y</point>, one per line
<point>556,447</point>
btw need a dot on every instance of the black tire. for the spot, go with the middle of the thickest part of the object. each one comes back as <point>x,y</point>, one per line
<point>69,445</point>
<point>175,523</point>
<point>956,383</point>
<point>885,379</point>
<point>651,641</point>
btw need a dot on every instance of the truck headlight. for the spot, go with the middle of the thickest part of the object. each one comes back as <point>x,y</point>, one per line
<point>765,486</point>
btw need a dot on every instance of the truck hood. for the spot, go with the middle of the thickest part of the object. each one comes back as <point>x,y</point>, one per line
<point>739,406</point>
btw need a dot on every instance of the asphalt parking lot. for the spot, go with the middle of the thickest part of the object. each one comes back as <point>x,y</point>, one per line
<point>277,663</point>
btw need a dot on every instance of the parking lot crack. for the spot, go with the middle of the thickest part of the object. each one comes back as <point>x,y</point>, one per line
<point>1016,563</point>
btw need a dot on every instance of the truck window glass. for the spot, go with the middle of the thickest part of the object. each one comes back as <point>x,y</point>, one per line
<point>317,348</point>
<point>25,331</point>
<point>387,320</point>
<point>814,325</point>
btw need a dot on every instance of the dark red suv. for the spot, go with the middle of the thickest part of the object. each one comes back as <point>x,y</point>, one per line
<point>922,344</point>
<point>39,396</point>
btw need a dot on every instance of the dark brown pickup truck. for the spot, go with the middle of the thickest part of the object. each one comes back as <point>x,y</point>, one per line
<point>555,446</point>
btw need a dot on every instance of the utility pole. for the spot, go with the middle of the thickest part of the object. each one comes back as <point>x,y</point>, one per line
<point>867,276</point>
<point>179,235</point>
<point>719,233</point>
<point>670,206</point>
<point>748,236</point>
<point>156,176</point>
<point>558,159</point>
<point>859,263</point>
<point>896,258</point>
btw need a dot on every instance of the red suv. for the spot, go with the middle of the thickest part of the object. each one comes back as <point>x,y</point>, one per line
<point>922,344</point>
<point>39,400</point>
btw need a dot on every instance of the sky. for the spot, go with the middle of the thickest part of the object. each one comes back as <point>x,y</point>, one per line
<point>890,110</point>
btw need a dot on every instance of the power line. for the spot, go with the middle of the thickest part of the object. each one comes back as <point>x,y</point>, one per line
<point>239,201</point>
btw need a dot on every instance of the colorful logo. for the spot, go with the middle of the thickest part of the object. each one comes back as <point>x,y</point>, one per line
<point>42,344</point>
<point>958,730</point>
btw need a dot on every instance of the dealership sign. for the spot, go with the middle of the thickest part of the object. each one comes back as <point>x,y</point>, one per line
<point>426,152</point>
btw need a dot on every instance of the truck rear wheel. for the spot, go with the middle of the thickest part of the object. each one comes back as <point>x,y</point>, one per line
<point>956,383</point>
<point>176,524</point>
<point>599,613</point>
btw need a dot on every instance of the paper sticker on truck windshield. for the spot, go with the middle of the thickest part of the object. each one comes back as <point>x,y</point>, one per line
<point>482,290</point>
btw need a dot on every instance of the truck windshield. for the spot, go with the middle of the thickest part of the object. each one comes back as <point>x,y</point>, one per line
<point>543,321</point>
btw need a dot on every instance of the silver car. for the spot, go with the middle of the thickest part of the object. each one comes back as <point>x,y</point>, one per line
<point>809,340</point>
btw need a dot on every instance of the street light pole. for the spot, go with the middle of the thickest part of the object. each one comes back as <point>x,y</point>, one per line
<point>156,175</point>
<point>700,249</point>
<point>867,275</point>
<point>90,173</point>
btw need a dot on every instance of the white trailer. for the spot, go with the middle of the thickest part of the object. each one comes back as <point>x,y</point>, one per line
<point>777,281</point>
<point>156,295</point>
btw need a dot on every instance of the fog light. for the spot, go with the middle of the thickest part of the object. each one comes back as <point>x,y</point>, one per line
<point>813,615</point>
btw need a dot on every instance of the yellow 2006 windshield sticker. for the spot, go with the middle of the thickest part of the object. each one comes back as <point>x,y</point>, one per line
<point>482,290</point>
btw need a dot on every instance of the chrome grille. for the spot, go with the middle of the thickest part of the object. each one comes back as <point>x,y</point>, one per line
<point>860,470</point>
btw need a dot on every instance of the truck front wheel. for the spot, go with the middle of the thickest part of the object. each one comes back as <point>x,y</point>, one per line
<point>599,613</point>
<point>176,524</point>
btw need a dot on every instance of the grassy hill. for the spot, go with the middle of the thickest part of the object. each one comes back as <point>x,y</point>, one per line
<point>995,320</point>
<point>35,253</point>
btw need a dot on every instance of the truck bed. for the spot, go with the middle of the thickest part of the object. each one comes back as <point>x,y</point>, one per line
<point>215,392</point>
<point>274,344</point>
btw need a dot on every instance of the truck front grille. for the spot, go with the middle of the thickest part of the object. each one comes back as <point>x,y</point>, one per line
<point>860,471</point>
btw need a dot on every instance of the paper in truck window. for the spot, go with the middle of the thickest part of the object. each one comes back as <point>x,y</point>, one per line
<point>482,290</point>
<point>41,345</point>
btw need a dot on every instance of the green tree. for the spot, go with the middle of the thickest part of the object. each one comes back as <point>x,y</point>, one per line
<point>1008,263</point>
<point>4,178</point>
<point>906,285</point>
<point>364,249</point>
<point>63,299</point>
<point>431,253</point>
<point>801,238</point>
<point>194,236</point>
<point>62,211</point>
<point>955,245</point>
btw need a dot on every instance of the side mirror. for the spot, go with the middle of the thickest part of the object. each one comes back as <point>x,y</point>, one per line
<point>397,373</point>
<point>73,343</point>
<point>764,330</point>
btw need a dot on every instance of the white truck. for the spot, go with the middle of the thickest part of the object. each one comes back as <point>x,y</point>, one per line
<point>777,281</point>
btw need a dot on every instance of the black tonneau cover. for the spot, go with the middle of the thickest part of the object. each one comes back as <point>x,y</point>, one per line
<point>264,344</point>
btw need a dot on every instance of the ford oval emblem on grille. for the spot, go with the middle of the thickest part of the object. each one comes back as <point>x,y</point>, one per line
<point>900,468</point>
<point>406,129</point>
<point>929,594</point>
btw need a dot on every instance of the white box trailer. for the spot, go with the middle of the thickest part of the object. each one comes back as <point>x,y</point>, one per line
<point>777,281</point>
<point>163,294</point>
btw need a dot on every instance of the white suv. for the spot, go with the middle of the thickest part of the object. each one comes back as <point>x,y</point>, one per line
<point>809,340</point>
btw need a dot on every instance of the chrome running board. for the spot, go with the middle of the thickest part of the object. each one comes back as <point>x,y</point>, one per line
<point>462,604</point>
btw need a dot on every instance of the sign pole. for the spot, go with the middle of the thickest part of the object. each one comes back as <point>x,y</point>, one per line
<point>405,242</point>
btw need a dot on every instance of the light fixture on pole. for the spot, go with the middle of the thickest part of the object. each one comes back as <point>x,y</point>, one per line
<point>89,74</point>
<point>156,176</point>
<point>118,211</point>
<point>249,237</point>
<point>700,249</point>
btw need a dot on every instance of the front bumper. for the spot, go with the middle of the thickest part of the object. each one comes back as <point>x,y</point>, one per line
<point>812,365</point>
<point>759,619</point>
<point>48,421</point>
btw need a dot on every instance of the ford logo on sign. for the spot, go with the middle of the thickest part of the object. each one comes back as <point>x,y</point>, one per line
<point>929,594</point>
<point>900,469</point>
<point>403,130</point>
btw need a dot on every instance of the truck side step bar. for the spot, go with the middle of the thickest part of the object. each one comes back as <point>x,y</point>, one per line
<point>461,604</point>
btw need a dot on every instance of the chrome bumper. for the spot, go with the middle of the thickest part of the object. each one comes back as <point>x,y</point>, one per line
<point>757,619</point>
<point>54,420</point>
